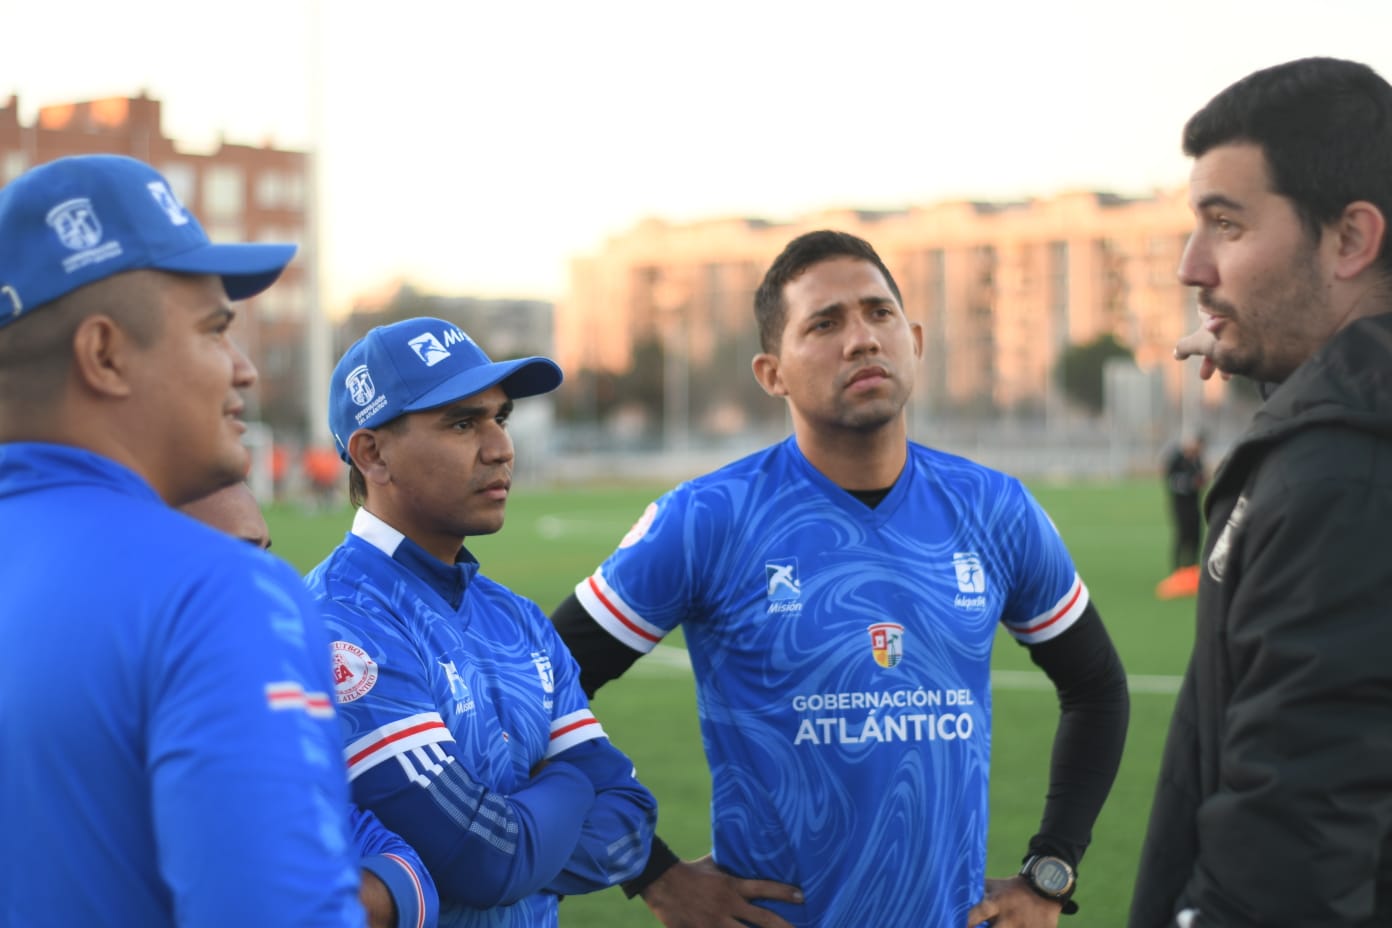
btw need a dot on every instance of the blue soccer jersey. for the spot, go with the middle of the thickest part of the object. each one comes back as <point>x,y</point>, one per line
<point>398,866</point>
<point>842,662</point>
<point>467,733</point>
<point>168,748</point>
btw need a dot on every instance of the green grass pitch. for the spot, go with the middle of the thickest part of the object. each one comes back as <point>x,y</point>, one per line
<point>1119,537</point>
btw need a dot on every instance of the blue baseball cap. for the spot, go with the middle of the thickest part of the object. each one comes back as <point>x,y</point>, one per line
<point>77,220</point>
<point>421,364</point>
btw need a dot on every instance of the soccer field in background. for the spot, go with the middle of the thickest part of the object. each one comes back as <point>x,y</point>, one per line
<point>1119,537</point>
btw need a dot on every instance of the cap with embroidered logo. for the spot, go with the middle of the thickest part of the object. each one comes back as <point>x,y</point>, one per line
<point>421,364</point>
<point>78,220</point>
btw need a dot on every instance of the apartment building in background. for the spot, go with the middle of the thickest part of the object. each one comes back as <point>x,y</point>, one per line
<point>238,192</point>
<point>1001,290</point>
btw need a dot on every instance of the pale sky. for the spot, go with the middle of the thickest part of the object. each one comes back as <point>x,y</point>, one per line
<point>475,147</point>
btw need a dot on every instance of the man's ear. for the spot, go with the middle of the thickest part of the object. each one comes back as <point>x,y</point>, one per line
<point>103,356</point>
<point>1361,231</point>
<point>365,447</point>
<point>767,373</point>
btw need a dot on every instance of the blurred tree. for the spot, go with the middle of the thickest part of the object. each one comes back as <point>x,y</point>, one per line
<point>643,384</point>
<point>1079,369</point>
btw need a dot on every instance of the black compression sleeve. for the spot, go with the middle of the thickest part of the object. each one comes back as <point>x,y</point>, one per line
<point>603,658</point>
<point>1094,710</point>
<point>660,860</point>
<point>600,655</point>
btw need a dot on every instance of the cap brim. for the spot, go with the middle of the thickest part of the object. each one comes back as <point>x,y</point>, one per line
<point>519,378</point>
<point>245,269</point>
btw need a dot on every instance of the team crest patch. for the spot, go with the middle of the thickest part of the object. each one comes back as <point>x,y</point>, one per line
<point>887,643</point>
<point>542,661</point>
<point>363,392</point>
<point>354,673</point>
<point>79,229</point>
<point>361,389</point>
<point>1218,557</point>
<point>640,528</point>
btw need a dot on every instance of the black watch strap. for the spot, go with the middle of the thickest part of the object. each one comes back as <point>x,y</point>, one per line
<point>1053,878</point>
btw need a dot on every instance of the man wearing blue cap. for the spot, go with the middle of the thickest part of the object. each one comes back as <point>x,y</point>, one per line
<point>167,744</point>
<point>466,728</point>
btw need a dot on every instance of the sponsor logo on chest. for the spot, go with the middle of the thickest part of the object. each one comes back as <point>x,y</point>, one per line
<point>784,589</point>
<point>459,690</point>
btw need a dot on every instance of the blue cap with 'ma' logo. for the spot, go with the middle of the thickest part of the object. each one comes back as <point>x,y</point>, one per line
<point>78,220</point>
<point>421,364</point>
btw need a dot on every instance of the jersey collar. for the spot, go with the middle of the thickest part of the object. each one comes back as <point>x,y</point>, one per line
<point>449,581</point>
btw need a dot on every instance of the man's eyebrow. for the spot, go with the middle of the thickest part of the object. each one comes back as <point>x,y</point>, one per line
<point>473,410</point>
<point>1219,200</point>
<point>831,309</point>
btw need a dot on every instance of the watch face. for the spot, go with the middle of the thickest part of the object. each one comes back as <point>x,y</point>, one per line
<point>1051,875</point>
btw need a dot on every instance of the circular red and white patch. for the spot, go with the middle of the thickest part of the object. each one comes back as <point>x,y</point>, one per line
<point>354,673</point>
<point>640,528</point>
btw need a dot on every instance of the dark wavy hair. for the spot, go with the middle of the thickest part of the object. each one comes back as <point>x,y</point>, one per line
<point>770,310</point>
<point>1325,127</point>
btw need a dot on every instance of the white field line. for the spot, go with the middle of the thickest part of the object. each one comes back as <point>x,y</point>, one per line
<point>666,659</point>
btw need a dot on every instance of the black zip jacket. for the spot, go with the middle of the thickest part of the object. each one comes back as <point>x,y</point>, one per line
<point>1274,804</point>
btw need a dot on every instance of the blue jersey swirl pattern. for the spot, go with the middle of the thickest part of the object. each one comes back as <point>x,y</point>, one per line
<point>168,748</point>
<point>842,659</point>
<point>453,690</point>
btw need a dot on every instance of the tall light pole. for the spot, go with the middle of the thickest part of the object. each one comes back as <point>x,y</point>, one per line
<point>317,334</point>
<point>671,299</point>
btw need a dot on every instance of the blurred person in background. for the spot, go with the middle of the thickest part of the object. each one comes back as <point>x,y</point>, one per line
<point>466,729</point>
<point>324,472</point>
<point>1184,482</point>
<point>839,594</point>
<point>396,888</point>
<point>168,749</point>
<point>1274,801</point>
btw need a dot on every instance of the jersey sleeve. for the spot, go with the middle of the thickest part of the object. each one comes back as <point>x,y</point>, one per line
<point>249,795</point>
<point>645,588</point>
<point>1046,596</point>
<point>483,848</point>
<point>617,833</point>
<point>397,864</point>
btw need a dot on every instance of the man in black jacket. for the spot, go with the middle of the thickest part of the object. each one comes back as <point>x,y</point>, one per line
<point>1274,804</point>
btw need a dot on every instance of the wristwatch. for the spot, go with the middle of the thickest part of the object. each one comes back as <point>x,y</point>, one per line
<point>1051,877</point>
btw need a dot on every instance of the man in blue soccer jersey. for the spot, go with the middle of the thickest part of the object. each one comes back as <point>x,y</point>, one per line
<point>168,748</point>
<point>839,594</point>
<point>467,730</point>
<point>396,888</point>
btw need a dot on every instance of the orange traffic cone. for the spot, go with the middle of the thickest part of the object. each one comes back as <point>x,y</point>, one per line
<point>1183,582</point>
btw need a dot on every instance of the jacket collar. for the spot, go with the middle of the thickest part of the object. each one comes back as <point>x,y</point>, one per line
<point>1347,382</point>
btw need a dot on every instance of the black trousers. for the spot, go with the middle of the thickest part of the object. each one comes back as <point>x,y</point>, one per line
<point>1187,528</point>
